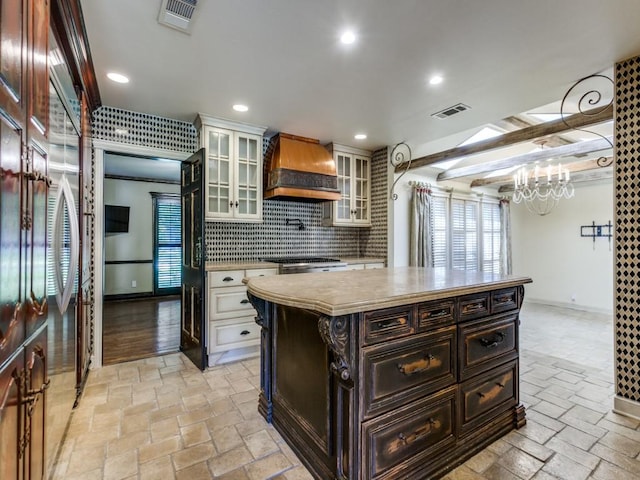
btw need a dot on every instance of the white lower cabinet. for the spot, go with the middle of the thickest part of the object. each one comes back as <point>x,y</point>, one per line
<point>233,334</point>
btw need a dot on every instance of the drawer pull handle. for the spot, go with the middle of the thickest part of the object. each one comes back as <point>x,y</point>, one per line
<point>504,299</point>
<point>393,322</point>
<point>227,279</point>
<point>244,302</point>
<point>436,313</point>
<point>419,366</point>
<point>245,332</point>
<point>419,433</point>
<point>473,307</point>
<point>481,395</point>
<point>494,342</point>
<point>501,385</point>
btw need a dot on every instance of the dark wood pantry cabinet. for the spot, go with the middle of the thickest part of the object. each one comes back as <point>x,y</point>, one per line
<point>30,348</point>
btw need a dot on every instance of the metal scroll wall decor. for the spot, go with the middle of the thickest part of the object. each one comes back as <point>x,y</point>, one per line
<point>542,190</point>
<point>401,153</point>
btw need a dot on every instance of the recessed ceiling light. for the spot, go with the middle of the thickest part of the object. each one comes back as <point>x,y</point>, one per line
<point>436,80</point>
<point>360,136</point>
<point>240,108</point>
<point>348,37</point>
<point>117,77</point>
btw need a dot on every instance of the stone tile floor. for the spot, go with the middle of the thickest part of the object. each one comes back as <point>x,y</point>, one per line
<point>161,418</point>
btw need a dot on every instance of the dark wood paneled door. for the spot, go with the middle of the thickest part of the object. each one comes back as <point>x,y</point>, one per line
<point>193,318</point>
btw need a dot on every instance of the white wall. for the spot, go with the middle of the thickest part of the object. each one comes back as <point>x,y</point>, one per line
<point>562,264</point>
<point>137,244</point>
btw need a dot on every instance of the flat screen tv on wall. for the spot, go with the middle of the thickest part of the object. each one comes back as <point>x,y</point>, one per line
<point>116,219</point>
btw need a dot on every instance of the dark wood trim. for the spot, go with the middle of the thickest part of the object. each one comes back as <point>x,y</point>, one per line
<point>527,158</point>
<point>141,179</point>
<point>125,262</point>
<point>67,20</point>
<point>578,120</point>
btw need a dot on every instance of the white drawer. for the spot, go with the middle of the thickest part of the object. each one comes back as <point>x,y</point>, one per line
<point>261,272</point>
<point>225,278</point>
<point>236,333</point>
<point>229,302</point>
<point>369,266</point>
<point>355,266</point>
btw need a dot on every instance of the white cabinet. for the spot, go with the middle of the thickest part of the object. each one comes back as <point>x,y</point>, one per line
<point>365,266</point>
<point>233,333</point>
<point>354,182</point>
<point>234,169</point>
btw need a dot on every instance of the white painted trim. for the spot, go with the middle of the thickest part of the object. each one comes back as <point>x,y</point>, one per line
<point>203,119</point>
<point>572,306</point>
<point>100,147</point>
<point>626,407</point>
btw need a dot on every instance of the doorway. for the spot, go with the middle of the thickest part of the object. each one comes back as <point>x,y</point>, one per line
<point>137,311</point>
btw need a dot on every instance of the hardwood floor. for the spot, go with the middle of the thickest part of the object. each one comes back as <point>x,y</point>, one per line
<point>141,328</point>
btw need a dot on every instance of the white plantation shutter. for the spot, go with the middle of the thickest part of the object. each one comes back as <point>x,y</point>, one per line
<point>168,243</point>
<point>439,230</point>
<point>464,234</point>
<point>491,237</point>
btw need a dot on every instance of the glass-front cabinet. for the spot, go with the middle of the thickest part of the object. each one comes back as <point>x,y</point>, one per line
<point>234,169</point>
<point>353,167</point>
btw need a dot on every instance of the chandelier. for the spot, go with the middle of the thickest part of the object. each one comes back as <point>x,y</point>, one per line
<point>539,194</point>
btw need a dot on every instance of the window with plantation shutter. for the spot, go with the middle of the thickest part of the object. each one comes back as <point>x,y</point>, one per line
<point>167,244</point>
<point>491,237</point>
<point>464,235</point>
<point>439,230</point>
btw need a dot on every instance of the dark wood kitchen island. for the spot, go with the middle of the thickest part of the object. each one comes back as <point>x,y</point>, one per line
<point>389,374</point>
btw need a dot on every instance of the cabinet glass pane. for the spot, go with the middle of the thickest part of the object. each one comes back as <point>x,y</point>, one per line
<point>242,175</point>
<point>213,171</point>
<point>253,149</point>
<point>253,175</point>
<point>224,145</point>
<point>224,173</point>
<point>242,147</point>
<point>214,143</point>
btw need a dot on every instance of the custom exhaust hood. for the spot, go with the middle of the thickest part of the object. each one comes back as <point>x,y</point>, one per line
<point>299,168</point>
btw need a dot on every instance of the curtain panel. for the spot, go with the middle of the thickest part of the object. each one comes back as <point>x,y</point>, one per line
<point>505,237</point>
<point>420,251</point>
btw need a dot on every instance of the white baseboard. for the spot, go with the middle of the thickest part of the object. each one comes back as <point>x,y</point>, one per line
<point>572,306</point>
<point>626,407</point>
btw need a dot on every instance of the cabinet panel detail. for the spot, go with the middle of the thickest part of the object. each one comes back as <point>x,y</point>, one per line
<point>483,397</point>
<point>504,300</point>
<point>473,306</point>
<point>435,314</point>
<point>387,324</point>
<point>409,435</point>
<point>409,368</point>
<point>486,343</point>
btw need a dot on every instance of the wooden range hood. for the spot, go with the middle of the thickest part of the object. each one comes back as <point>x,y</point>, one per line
<point>299,168</point>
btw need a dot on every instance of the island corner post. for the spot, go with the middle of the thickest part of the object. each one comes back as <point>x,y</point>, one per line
<point>380,386</point>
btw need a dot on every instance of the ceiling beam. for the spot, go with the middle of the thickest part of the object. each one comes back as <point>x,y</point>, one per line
<point>576,121</point>
<point>574,167</point>
<point>524,159</point>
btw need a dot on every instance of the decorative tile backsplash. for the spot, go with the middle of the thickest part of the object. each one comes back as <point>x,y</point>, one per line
<point>250,241</point>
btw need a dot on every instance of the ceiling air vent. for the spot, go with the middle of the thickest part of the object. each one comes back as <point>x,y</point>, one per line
<point>177,14</point>
<point>449,111</point>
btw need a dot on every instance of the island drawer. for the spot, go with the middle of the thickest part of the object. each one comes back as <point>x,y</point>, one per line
<point>504,300</point>
<point>409,435</point>
<point>486,343</point>
<point>388,324</point>
<point>435,314</point>
<point>226,278</point>
<point>486,396</point>
<point>261,272</point>
<point>229,302</point>
<point>234,333</point>
<point>406,369</point>
<point>473,306</point>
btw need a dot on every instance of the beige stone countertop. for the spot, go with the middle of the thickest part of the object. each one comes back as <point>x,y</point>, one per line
<point>223,266</point>
<point>352,260</point>
<point>344,292</point>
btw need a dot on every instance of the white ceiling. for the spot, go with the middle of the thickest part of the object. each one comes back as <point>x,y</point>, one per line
<point>284,60</point>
